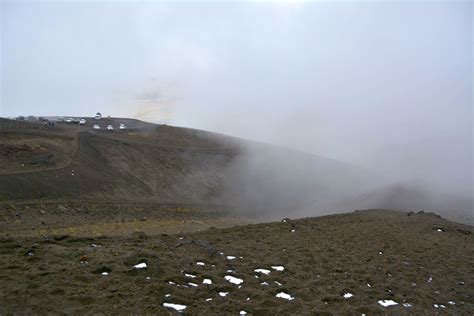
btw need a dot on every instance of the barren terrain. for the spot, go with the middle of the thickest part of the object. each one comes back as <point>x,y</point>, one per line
<point>128,222</point>
<point>421,262</point>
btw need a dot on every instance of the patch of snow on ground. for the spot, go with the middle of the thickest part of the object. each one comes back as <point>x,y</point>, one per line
<point>264,283</point>
<point>233,280</point>
<point>208,299</point>
<point>207,281</point>
<point>278,283</point>
<point>177,307</point>
<point>407,305</point>
<point>368,284</point>
<point>200,263</point>
<point>192,284</point>
<point>292,230</point>
<point>105,273</point>
<point>223,294</point>
<point>278,268</point>
<point>230,257</point>
<point>140,266</point>
<point>171,282</point>
<point>386,303</point>
<point>243,313</point>
<point>430,279</point>
<point>451,303</point>
<point>189,275</point>
<point>348,295</point>
<point>167,295</point>
<point>264,271</point>
<point>285,296</point>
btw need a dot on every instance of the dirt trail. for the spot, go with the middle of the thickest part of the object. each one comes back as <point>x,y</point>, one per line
<point>69,159</point>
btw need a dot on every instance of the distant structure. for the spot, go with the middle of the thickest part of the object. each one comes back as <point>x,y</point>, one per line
<point>98,116</point>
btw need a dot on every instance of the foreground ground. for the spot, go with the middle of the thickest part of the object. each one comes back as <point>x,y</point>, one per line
<point>334,264</point>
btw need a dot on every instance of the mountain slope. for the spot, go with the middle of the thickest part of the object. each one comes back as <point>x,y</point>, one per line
<point>167,164</point>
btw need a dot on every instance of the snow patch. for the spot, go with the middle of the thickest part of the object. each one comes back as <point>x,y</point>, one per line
<point>207,281</point>
<point>233,280</point>
<point>140,266</point>
<point>223,294</point>
<point>189,275</point>
<point>200,263</point>
<point>177,307</point>
<point>348,295</point>
<point>230,257</point>
<point>278,268</point>
<point>264,271</point>
<point>387,303</point>
<point>285,296</point>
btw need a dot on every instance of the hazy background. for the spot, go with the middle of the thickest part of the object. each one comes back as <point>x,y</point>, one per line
<point>386,86</point>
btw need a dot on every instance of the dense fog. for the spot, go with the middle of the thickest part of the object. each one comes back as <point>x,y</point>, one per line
<point>382,91</point>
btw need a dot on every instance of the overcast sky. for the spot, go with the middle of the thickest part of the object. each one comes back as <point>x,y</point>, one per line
<point>386,85</point>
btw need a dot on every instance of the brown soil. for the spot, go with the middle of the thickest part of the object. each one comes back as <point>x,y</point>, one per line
<point>421,260</point>
<point>75,203</point>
